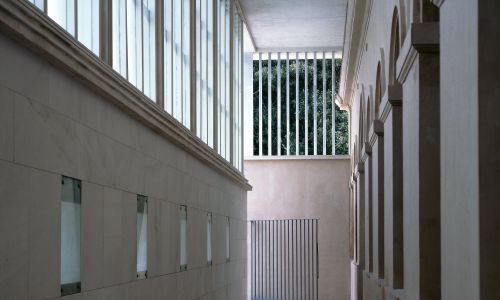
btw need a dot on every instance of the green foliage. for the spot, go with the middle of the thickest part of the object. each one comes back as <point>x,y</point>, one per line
<point>323,94</point>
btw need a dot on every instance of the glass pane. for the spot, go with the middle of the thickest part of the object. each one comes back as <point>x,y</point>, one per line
<point>210,76</point>
<point>70,235</point>
<point>198,50</point>
<point>142,236</point>
<point>149,49</point>
<point>63,13</point>
<point>168,64</point>
<point>222,76</point>
<point>134,42</point>
<point>119,37</point>
<point>38,3</point>
<point>183,237</point>
<point>227,109</point>
<point>177,60</point>
<point>88,24</point>
<point>235,90</point>
<point>227,239</point>
<point>209,238</point>
<point>186,73</point>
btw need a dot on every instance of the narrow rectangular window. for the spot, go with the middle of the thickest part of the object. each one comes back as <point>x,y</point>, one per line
<point>142,237</point>
<point>228,256</point>
<point>183,237</point>
<point>209,238</point>
<point>70,235</point>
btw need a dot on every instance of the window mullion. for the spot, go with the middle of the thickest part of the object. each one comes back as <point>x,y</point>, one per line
<point>159,57</point>
<point>106,31</point>
<point>75,19</point>
<point>192,66</point>
<point>143,88</point>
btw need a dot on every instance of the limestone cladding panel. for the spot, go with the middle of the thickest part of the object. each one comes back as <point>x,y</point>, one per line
<point>53,125</point>
<point>301,189</point>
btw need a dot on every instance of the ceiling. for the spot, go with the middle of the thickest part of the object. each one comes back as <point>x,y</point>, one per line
<point>277,25</point>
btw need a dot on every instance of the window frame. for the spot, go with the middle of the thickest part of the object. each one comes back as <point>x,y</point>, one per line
<point>209,238</point>
<point>142,202</point>
<point>183,243</point>
<point>214,114</point>
<point>73,287</point>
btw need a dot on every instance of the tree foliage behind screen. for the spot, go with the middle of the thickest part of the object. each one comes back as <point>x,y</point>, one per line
<point>341,119</point>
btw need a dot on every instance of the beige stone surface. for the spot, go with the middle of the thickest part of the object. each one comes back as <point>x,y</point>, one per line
<point>302,189</point>
<point>52,125</point>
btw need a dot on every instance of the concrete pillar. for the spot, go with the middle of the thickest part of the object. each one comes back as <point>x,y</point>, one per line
<point>368,202</point>
<point>378,200</point>
<point>470,149</point>
<point>360,242</point>
<point>419,73</point>
<point>393,189</point>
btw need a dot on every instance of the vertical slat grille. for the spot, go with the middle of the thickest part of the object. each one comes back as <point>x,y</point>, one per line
<point>284,259</point>
<point>294,105</point>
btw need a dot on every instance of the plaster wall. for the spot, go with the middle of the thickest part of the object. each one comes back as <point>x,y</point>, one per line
<point>52,125</point>
<point>308,189</point>
<point>375,49</point>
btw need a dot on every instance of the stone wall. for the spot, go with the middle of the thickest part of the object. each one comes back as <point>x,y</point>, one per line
<point>52,125</point>
<point>419,80</point>
<point>308,189</point>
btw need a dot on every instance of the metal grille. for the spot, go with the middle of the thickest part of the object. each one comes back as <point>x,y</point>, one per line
<point>284,259</point>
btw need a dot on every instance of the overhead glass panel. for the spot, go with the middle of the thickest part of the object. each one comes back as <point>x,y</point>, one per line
<point>119,37</point>
<point>177,60</point>
<point>186,63</point>
<point>134,46</point>
<point>134,42</point>
<point>88,24</point>
<point>63,13</point>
